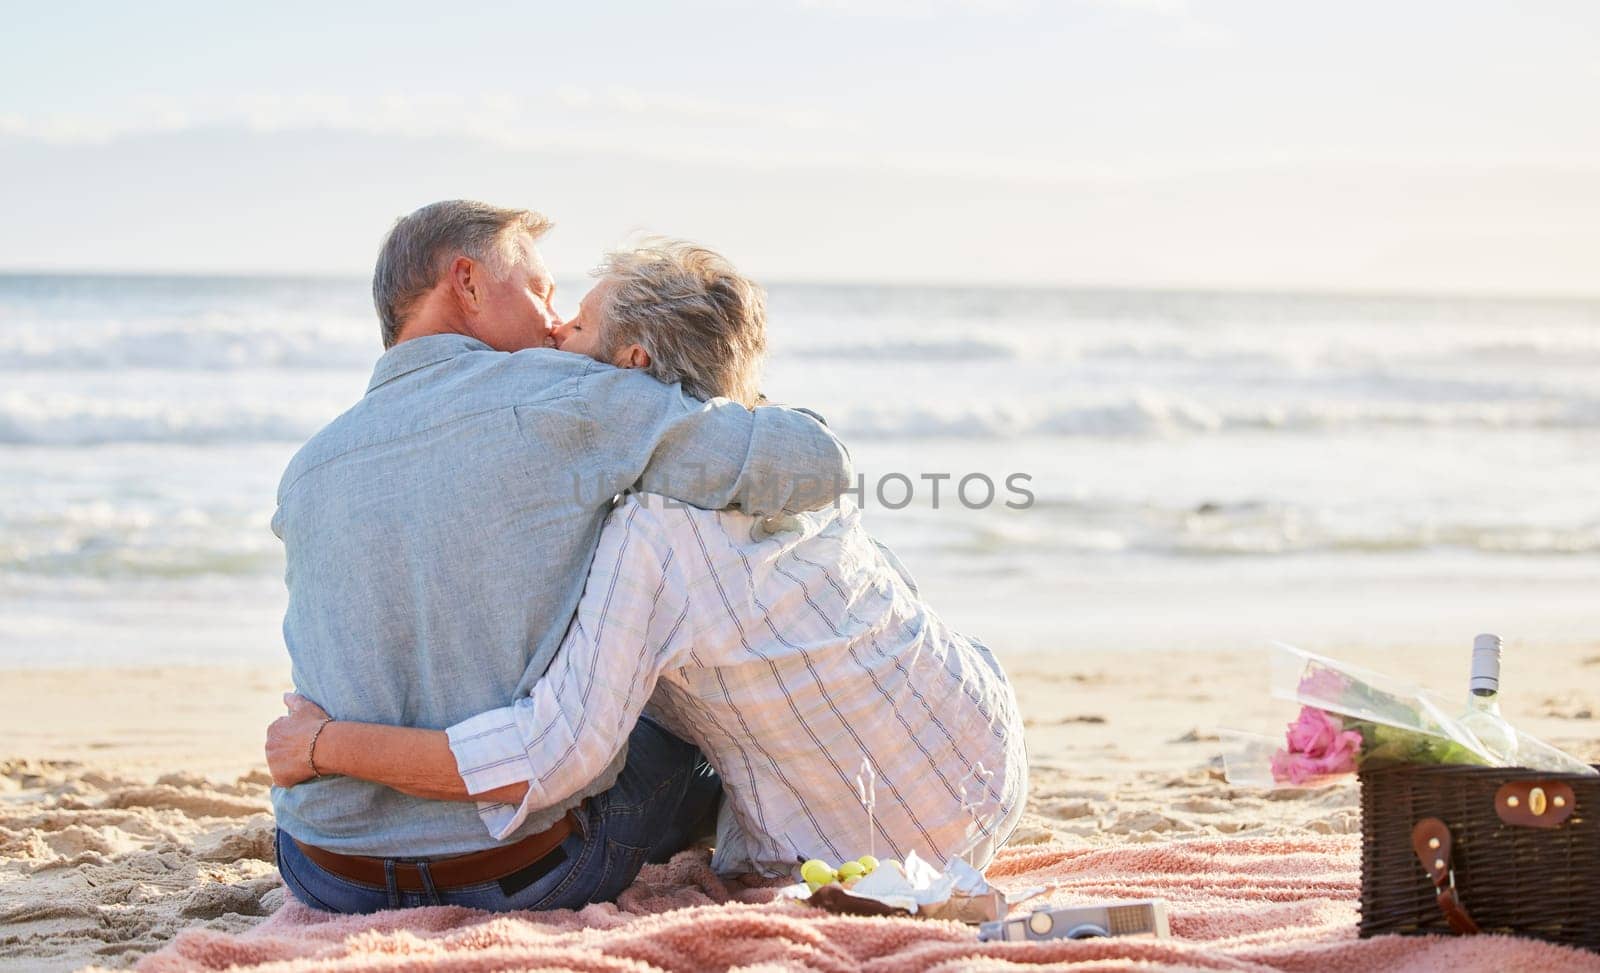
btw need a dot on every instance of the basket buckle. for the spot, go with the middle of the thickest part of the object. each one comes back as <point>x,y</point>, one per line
<point>1440,890</point>
<point>1535,803</point>
<point>1431,840</point>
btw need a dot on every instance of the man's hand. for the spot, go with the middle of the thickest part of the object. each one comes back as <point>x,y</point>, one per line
<point>289,741</point>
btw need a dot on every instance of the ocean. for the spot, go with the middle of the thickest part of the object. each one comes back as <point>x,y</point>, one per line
<point>1063,470</point>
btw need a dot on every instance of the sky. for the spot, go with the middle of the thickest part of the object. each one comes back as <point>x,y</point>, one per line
<point>1416,146</point>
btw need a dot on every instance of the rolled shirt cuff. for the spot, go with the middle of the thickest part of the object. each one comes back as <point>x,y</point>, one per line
<point>502,820</point>
<point>489,751</point>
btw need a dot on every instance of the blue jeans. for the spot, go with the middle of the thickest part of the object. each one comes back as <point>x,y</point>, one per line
<point>663,801</point>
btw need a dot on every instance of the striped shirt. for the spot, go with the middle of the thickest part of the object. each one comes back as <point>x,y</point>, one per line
<point>795,654</point>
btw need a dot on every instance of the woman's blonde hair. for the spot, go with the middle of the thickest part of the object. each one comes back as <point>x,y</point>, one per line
<point>702,322</point>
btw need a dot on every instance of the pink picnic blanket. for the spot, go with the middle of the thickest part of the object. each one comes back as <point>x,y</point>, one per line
<point>1236,904</point>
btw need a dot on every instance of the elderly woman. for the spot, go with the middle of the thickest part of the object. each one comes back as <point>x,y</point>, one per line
<point>795,654</point>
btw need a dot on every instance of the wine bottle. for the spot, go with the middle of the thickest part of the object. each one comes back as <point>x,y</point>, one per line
<point>1482,715</point>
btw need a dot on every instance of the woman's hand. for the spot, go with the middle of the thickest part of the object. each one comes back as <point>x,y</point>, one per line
<point>289,741</point>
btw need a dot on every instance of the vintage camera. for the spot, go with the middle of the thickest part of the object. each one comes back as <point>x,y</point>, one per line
<point>1147,917</point>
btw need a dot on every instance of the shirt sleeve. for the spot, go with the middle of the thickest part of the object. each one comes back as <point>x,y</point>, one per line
<point>711,455</point>
<point>897,566</point>
<point>577,719</point>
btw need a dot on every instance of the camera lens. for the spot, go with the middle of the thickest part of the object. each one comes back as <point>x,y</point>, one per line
<point>1087,931</point>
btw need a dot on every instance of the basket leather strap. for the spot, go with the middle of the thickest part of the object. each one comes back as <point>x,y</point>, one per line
<point>1430,839</point>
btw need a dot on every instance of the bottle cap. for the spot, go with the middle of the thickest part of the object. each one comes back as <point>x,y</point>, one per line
<point>1486,663</point>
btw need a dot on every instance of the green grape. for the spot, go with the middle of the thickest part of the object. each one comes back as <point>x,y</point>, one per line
<point>851,870</point>
<point>817,873</point>
<point>868,863</point>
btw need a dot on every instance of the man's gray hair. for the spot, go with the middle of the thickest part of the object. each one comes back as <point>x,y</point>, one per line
<point>421,247</point>
<point>702,322</point>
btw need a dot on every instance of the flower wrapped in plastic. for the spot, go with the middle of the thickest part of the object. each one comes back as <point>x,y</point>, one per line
<point>1317,745</point>
<point>1356,719</point>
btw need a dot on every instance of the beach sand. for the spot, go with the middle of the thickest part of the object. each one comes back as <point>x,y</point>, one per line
<point>133,803</point>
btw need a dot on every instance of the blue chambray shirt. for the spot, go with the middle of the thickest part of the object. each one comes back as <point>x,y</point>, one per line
<point>438,536</point>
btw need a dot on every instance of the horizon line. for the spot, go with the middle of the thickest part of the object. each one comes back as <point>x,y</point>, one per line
<point>1221,288</point>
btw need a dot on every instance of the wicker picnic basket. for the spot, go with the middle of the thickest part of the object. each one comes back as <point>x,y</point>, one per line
<point>1481,849</point>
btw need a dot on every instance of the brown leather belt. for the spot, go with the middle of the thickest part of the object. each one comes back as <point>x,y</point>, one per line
<point>476,868</point>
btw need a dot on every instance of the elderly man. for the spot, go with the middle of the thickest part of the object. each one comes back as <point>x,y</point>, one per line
<point>438,542</point>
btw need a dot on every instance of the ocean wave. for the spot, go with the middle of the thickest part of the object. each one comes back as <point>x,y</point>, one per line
<point>1051,528</point>
<point>1332,352</point>
<point>128,539</point>
<point>69,421</point>
<point>78,421</point>
<point>141,539</point>
<point>115,561</point>
<point>916,349</point>
<point>260,340</point>
<point>1152,414</point>
<point>1199,350</point>
<point>1535,350</point>
<point>208,348</point>
<point>1342,350</point>
<point>1260,540</point>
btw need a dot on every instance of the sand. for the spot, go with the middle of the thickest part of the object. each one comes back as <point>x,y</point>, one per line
<point>133,803</point>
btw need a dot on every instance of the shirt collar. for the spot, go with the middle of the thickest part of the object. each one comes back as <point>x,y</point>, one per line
<point>408,356</point>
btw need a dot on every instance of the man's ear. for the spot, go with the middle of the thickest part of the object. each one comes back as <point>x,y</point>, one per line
<point>633,356</point>
<point>466,283</point>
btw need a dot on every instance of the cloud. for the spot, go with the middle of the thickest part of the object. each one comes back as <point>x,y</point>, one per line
<point>315,201</point>
<point>613,121</point>
<point>928,9</point>
<point>503,118</point>
<point>620,100</point>
<point>918,9</point>
<point>669,127</point>
<point>1170,23</point>
<point>1174,8</point>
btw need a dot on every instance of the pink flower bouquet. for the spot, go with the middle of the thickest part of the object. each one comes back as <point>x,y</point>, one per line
<point>1349,719</point>
<point>1354,719</point>
<point>1318,745</point>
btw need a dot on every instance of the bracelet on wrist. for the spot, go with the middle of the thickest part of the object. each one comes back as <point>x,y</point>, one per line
<point>311,751</point>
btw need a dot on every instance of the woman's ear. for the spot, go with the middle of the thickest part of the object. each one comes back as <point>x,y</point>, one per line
<point>633,356</point>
